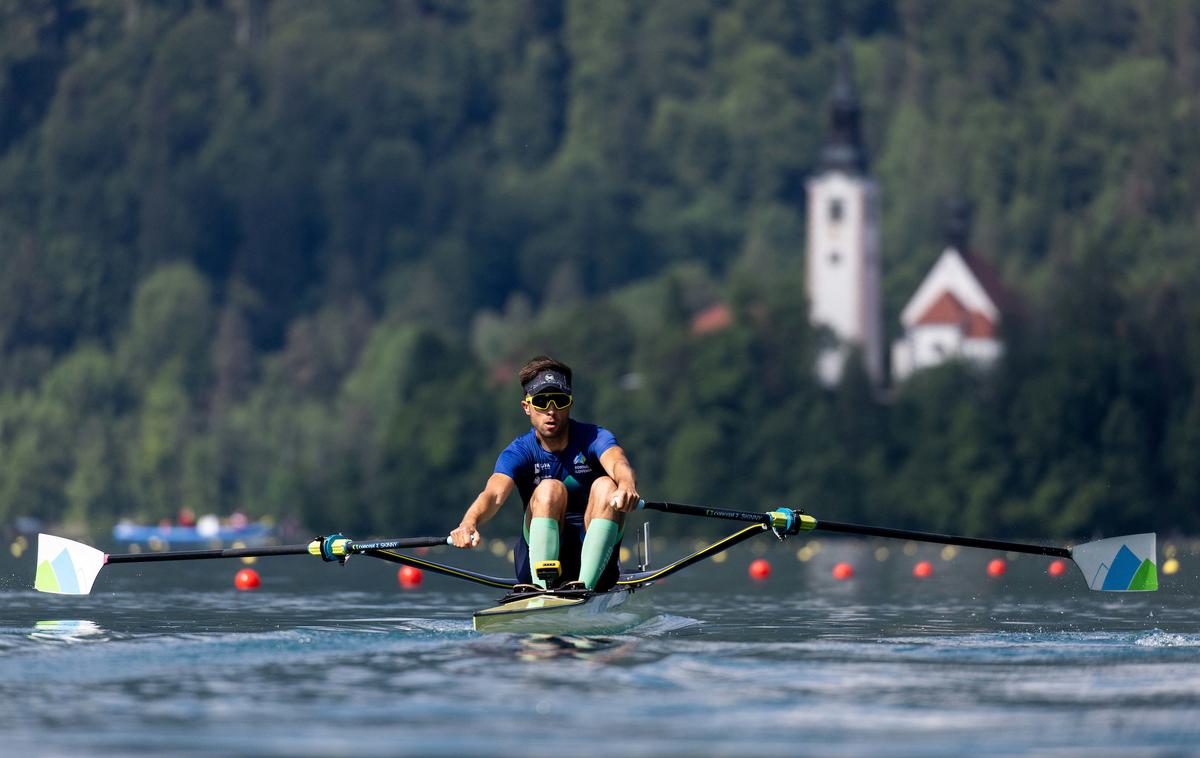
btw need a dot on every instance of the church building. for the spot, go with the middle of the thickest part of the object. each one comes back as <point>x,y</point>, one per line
<point>955,312</point>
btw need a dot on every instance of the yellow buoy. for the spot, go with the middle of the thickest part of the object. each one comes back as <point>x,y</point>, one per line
<point>948,552</point>
<point>246,559</point>
<point>882,553</point>
<point>1171,566</point>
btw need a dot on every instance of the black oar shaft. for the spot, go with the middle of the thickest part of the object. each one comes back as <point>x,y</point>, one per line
<point>270,550</point>
<point>865,530</point>
<point>699,510</point>
<point>196,555</point>
<point>943,539</point>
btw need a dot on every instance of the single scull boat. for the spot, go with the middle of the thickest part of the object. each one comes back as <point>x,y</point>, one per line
<point>1118,564</point>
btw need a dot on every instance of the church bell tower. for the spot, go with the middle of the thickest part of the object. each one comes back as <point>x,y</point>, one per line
<point>843,267</point>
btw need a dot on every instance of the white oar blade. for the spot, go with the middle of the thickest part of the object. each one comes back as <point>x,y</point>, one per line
<point>65,567</point>
<point>1119,564</point>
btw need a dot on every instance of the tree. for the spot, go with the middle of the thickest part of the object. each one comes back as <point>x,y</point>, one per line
<point>170,329</point>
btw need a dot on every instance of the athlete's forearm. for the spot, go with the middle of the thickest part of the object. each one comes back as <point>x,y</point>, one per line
<point>488,502</point>
<point>624,476</point>
<point>466,534</point>
<point>483,509</point>
<point>617,466</point>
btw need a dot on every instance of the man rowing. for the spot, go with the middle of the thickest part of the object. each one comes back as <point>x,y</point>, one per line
<point>575,482</point>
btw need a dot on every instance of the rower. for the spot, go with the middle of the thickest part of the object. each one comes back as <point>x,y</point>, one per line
<point>575,482</point>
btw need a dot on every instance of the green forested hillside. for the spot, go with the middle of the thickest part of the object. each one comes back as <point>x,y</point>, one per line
<point>285,256</point>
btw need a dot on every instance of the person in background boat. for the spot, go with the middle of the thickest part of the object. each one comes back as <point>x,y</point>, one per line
<point>575,482</point>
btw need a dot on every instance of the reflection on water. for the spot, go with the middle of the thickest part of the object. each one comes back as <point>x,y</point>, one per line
<point>68,631</point>
<point>540,647</point>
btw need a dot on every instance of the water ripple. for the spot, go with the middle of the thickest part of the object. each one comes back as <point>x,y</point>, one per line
<point>315,664</point>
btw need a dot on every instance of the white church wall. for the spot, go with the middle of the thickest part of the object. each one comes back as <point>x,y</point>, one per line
<point>834,263</point>
<point>931,345</point>
<point>902,359</point>
<point>843,268</point>
<point>934,343</point>
<point>982,350</point>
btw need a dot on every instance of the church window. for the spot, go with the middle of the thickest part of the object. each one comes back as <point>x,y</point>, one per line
<point>836,211</point>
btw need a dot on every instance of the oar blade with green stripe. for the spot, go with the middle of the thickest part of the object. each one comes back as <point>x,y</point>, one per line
<point>65,567</point>
<point>1119,564</point>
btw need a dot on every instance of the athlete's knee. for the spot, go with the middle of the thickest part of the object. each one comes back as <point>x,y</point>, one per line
<point>603,487</point>
<point>600,500</point>
<point>549,495</point>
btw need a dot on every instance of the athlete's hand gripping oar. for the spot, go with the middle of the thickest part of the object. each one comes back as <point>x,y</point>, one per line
<point>1116,564</point>
<point>66,567</point>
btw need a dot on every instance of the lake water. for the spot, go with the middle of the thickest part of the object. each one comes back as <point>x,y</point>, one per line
<point>328,660</point>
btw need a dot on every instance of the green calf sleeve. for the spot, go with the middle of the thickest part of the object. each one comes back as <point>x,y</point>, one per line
<point>598,543</point>
<point>543,543</point>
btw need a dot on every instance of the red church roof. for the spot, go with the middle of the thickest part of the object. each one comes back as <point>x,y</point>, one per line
<point>948,309</point>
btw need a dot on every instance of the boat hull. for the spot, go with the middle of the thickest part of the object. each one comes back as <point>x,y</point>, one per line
<point>571,612</point>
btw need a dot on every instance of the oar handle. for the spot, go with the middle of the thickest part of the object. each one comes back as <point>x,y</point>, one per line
<point>697,510</point>
<point>783,518</point>
<point>399,544</point>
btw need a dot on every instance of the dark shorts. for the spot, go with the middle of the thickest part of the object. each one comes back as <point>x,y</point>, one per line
<point>570,544</point>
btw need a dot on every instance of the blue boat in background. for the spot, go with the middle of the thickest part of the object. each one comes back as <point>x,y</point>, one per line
<point>207,530</point>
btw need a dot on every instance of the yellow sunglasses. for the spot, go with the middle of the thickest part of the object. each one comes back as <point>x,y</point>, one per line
<point>543,400</point>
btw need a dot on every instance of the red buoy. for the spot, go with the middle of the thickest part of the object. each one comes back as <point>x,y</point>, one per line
<point>759,569</point>
<point>996,567</point>
<point>409,576</point>
<point>843,571</point>
<point>923,570</point>
<point>247,579</point>
<point>1057,567</point>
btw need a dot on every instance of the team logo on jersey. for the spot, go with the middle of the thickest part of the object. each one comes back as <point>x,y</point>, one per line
<point>581,464</point>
